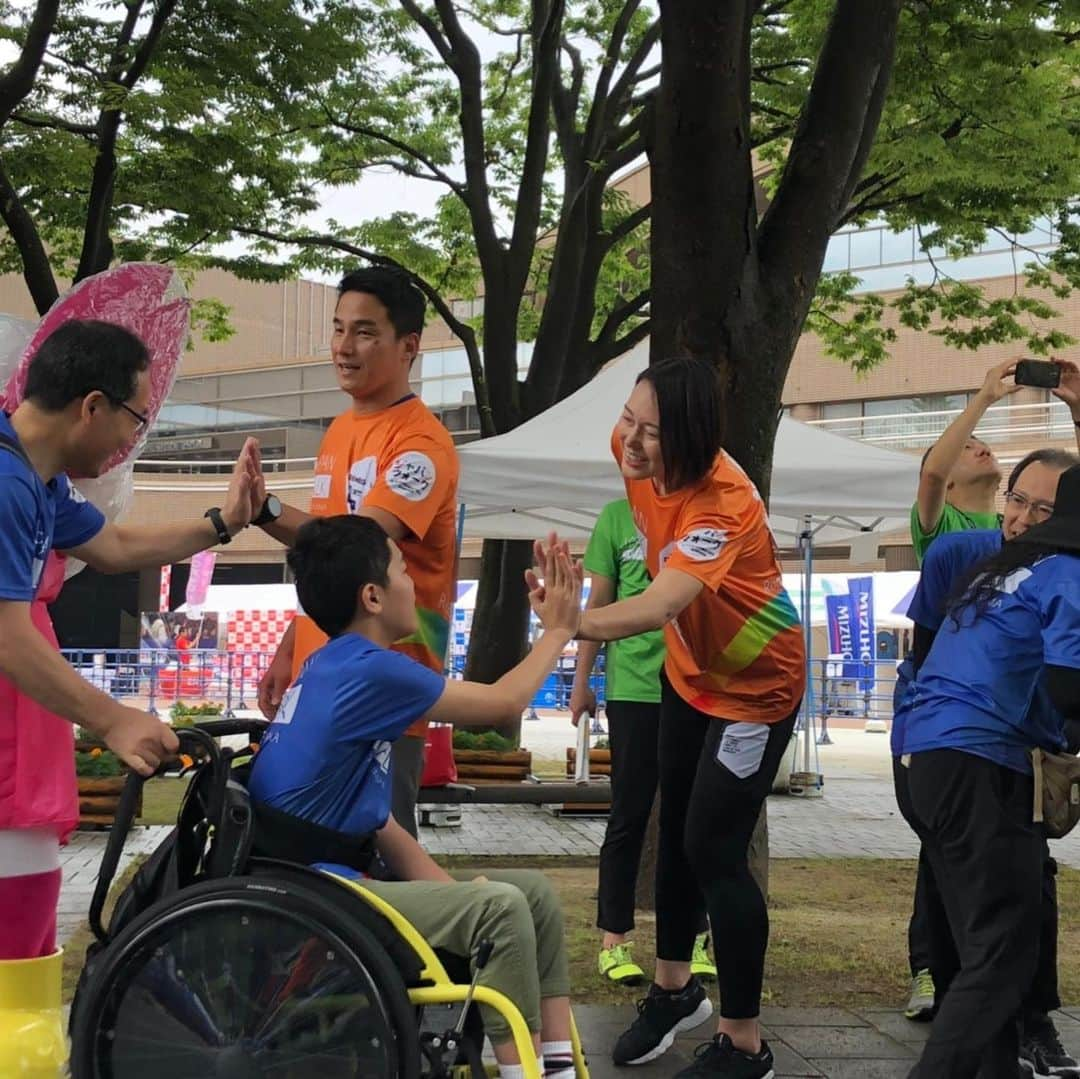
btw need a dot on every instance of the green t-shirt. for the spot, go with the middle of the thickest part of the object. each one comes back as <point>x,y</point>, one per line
<point>632,666</point>
<point>952,520</point>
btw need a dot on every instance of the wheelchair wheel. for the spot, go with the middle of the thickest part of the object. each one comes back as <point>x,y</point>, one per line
<point>244,979</point>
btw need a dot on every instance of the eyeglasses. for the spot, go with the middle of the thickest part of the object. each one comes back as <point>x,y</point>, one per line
<point>1040,511</point>
<point>144,421</point>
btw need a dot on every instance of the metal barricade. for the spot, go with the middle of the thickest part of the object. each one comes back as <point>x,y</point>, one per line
<point>156,679</point>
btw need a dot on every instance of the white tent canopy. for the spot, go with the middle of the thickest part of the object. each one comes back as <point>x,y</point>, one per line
<point>556,471</point>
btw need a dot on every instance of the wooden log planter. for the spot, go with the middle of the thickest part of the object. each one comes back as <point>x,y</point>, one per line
<point>599,765</point>
<point>99,796</point>
<point>599,762</point>
<point>477,766</point>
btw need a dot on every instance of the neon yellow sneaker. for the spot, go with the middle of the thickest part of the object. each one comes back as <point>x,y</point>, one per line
<point>701,962</point>
<point>920,1008</point>
<point>617,965</point>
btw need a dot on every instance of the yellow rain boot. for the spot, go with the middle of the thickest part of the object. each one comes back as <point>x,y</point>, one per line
<point>33,1044</point>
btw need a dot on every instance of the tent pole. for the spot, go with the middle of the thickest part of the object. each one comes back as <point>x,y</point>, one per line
<point>808,580</point>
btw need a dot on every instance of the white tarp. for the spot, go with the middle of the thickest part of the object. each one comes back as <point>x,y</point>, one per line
<point>248,597</point>
<point>556,471</point>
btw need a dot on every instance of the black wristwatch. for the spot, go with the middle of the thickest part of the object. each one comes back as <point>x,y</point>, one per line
<point>269,512</point>
<point>214,514</point>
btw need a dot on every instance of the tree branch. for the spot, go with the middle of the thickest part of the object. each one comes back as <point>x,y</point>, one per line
<point>436,171</point>
<point>596,121</point>
<point>565,102</point>
<point>97,248</point>
<point>628,340</point>
<point>461,330</point>
<point>832,140</point>
<point>546,43</point>
<point>18,80</point>
<point>462,57</point>
<point>629,75</point>
<point>54,123</point>
<point>625,227</point>
<point>36,269</point>
<point>431,28</point>
<point>618,315</point>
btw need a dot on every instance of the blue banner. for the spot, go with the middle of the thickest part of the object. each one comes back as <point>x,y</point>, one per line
<point>841,640</point>
<point>861,590</point>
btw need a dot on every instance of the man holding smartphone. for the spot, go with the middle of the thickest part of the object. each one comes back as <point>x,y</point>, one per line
<point>960,476</point>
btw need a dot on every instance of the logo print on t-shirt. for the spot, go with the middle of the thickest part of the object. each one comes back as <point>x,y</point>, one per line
<point>703,544</point>
<point>359,482</point>
<point>412,475</point>
<point>320,486</point>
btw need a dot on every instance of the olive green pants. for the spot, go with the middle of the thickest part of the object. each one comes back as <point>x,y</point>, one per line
<point>516,910</point>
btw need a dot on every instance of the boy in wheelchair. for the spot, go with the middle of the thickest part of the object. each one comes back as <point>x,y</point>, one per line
<point>326,758</point>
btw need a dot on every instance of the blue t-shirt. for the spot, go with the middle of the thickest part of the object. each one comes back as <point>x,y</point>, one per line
<point>947,561</point>
<point>326,756</point>
<point>976,689</point>
<point>36,517</point>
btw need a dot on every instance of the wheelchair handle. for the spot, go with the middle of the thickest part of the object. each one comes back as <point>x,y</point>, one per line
<point>221,728</point>
<point>125,816</point>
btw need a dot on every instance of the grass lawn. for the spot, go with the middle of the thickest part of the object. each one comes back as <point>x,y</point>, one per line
<point>839,929</point>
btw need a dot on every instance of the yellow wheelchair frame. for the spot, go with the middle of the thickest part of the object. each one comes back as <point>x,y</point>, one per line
<point>440,988</point>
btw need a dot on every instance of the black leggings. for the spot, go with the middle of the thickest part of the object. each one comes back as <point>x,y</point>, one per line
<point>633,728</point>
<point>633,732</point>
<point>708,810</point>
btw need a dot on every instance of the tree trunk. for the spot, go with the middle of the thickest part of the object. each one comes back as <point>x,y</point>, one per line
<point>497,641</point>
<point>758,855</point>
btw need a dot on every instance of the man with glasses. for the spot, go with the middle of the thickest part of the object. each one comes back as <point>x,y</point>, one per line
<point>958,487</point>
<point>86,398</point>
<point>1029,500</point>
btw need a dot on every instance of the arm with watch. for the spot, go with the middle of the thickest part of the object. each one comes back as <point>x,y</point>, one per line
<point>118,548</point>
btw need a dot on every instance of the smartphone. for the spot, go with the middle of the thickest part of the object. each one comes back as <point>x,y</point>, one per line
<point>1041,373</point>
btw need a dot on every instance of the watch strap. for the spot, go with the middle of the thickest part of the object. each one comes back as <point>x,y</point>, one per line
<point>213,514</point>
<point>264,516</point>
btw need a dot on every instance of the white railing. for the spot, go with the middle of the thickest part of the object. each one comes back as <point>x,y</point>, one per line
<point>916,430</point>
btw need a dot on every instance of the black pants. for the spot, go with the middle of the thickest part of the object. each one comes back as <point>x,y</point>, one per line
<point>708,809</point>
<point>931,949</point>
<point>974,819</point>
<point>633,730</point>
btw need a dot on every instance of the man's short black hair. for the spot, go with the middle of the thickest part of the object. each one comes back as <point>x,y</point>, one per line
<point>689,401</point>
<point>81,356</point>
<point>395,290</point>
<point>332,559</point>
<point>1055,458</point>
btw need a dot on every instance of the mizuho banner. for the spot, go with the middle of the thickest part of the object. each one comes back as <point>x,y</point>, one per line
<point>851,630</point>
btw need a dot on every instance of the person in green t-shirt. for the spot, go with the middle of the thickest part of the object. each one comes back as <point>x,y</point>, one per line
<point>632,667</point>
<point>960,476</point>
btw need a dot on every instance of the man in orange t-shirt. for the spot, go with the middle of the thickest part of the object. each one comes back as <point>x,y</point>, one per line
<point>390,459</point>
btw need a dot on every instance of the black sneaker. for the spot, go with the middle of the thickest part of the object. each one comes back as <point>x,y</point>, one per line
<point>1040,1044</point>
<point>720,1058</point>
<point>661,1015</point>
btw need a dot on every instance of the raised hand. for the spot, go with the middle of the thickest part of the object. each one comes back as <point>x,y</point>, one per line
<point>241,501</point>
<point>994,386</point>
<point>1069,388</point>
<point>557,602</point>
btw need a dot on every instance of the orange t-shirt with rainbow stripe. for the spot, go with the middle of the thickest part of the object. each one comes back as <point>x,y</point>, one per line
<point>400,459</point>
<point>736,652</point>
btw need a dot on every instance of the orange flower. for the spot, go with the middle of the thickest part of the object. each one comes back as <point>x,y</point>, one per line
<point>96,751</point>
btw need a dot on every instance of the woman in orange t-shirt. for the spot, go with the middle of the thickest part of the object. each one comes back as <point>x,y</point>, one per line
<point>731,688</point>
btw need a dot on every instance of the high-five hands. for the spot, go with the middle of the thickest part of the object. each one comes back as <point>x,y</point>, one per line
<point>557,598</point>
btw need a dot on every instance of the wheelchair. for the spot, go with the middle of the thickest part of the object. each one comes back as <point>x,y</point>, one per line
<point>218,962</point>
